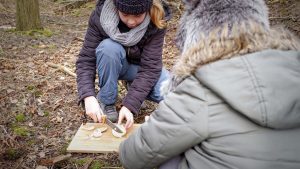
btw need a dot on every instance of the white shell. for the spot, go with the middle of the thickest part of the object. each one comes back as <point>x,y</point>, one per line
<point>88,128</point>
<point>97,133</point>
<point>119,135</point>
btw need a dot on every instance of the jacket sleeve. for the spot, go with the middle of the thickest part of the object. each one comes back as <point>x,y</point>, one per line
<point>148,73</point>
<point>179,123</point>
<point>86,63</point>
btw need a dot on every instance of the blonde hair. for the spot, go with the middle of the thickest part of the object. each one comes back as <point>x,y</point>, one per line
<point>157,14</point>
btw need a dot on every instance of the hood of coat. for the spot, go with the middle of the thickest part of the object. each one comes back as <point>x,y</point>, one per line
<point>203,16</point>
<point>256,72</point>
<point>264,86</point>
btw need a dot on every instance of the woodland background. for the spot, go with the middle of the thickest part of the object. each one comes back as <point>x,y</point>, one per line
<point>38,101</point>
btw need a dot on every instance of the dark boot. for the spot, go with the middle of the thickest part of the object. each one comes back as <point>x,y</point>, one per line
<point>110,112</point>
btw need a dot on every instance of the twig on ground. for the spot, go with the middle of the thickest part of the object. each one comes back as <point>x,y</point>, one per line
<point>61,68</point>
<point>284,17</point>
<point>79,39</point>
<point>19,164</point>
<point>61,158</point>
<point>8,59</point>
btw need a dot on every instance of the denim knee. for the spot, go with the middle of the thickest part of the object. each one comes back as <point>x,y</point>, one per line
<point>155,92</point>
<point>111,50</point>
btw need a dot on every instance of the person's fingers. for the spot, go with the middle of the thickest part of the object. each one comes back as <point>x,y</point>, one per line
<point>98,117</point>
<point>129,121</point>
<point>121,117</point>
<point>127,124</point>
<point>93,116</point>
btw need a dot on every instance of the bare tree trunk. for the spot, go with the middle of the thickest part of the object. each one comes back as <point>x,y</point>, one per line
<point>28,15</point>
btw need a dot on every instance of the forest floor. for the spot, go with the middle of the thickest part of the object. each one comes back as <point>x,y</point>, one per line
<point>38,103</point>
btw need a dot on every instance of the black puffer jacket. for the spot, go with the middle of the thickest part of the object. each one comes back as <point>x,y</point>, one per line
<point>147,53</point>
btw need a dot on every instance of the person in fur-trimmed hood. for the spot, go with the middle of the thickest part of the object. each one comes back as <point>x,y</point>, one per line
<point>233,100</point>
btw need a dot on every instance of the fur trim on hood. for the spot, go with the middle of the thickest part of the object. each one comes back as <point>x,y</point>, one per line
<point>212,30</point>
<point>221,44</point>
<point>203,16</point>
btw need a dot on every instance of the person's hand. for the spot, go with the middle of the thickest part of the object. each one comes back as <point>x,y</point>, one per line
<point>92,108</point>
<point>126,113</point>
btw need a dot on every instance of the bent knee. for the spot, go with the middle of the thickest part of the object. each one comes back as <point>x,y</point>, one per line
<point>110,49</point>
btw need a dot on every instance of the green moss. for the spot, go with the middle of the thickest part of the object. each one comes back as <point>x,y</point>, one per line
<point>46,126</point>
<point>35,32</point>
<point>76,12</point>
<point>52,46</point>
<point>21,131</point>
<point>38,93</point>
<point>46,113</point>
<point>31,142</point>
<point>31,87</point>
<point>12,154</point>
<point>20,117</point>
<point>63,150</point>
<point>35,46</point>
<point>96,165</point>
<point>80,162</point>
<point>39,32</point>
<point>34,90</point>
<point>13,30</point>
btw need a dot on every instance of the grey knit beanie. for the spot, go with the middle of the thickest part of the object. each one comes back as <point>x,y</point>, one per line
<point>203,16</point>
<point>133,7</point>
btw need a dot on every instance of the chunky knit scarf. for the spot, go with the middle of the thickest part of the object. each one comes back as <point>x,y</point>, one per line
<point>109,21</point>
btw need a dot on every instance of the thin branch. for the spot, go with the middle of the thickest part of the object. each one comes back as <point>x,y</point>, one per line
<point>61,158</point>
<point>8,59</point>
<point>20,162</point>
<point>79,39</point>
<point>61,68</point>
<point>284,17</point>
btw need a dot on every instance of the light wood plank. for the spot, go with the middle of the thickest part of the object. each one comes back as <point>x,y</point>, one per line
<point>83,143</point>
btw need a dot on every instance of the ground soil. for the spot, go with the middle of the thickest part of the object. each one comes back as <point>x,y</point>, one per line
<point>39,114</point>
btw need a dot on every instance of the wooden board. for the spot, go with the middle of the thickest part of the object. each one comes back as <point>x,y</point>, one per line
<point>83,143</point>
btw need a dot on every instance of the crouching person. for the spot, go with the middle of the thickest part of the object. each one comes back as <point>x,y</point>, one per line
<point>124,41</point>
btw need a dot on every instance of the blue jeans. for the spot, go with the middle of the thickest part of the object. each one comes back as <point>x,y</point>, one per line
<point>112,66</point>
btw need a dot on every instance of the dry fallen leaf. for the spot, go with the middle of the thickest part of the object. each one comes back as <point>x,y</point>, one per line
<point>42,154</point>
<point>30,124</point>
